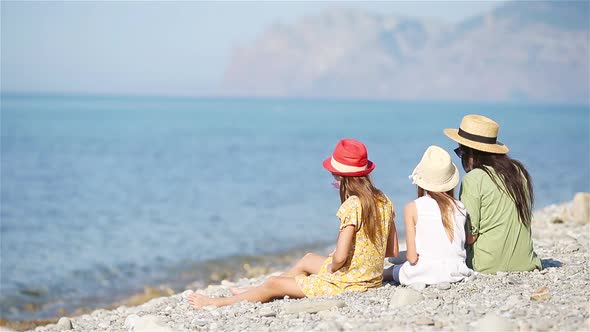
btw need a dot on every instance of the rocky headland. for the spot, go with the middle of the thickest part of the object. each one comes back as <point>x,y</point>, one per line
<point>520,51</point>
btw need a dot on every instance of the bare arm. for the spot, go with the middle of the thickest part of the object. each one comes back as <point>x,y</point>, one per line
<point>392,242</point>
<point>343,246</point>
<point>410,221</point>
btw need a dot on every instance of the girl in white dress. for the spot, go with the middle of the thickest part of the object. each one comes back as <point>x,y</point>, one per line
<point>435,226</point>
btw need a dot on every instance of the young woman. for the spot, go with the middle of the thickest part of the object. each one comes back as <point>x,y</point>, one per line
<point>367,233</point>
<point>498,194</point>
<point>435,225</point>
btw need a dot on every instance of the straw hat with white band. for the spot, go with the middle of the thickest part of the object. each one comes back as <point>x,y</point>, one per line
<point>478,132</point>
<point>349,159</point>
<point>435,172</point>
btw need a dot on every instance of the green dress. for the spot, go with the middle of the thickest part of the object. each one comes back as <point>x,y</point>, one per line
<point>503,243</point>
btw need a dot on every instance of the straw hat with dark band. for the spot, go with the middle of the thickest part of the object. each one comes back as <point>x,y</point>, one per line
<point>478,132</point>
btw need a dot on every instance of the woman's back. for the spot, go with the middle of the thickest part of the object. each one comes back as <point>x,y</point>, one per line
<point>504,243</point>
<point>498,194</point>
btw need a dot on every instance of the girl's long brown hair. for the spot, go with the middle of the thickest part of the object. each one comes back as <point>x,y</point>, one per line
<point>514,179</point>
<point>363,188</point>
<point>447,204</point>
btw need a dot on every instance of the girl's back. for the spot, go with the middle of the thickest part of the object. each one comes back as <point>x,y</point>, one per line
<point>365,265</point>
<point>440,259</point>
<point>432,242</point>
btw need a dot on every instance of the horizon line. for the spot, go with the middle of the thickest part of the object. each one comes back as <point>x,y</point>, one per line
<point>96,95</point>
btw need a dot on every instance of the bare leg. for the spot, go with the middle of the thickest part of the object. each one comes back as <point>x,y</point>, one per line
<point>239,290</point>
<point>308,264</point>
<point>272,288</point>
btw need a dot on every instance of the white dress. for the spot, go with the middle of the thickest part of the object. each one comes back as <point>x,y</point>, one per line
<point>439,260</point>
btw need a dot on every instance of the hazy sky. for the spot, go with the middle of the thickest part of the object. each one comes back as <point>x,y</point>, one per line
<point>161,48</point>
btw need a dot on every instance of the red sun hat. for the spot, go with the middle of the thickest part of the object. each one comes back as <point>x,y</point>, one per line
<point>349,159</point>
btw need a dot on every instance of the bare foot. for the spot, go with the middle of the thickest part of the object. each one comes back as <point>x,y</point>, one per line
<point>199,301</point>
<point>238,290</point>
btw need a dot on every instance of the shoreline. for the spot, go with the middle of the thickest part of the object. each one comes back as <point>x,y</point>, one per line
<point>555,298</point>
<point>200,275</point>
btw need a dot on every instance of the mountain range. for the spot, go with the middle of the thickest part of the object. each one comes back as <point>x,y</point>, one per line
<point>521,51</point>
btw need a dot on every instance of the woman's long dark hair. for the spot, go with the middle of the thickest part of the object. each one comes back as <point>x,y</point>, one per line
<point>515,180</point>
<point>369,195</point>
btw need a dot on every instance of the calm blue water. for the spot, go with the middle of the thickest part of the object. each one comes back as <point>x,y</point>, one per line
<point>103,195</point>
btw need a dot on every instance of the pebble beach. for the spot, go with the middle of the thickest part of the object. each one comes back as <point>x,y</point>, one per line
<point>556,298</point>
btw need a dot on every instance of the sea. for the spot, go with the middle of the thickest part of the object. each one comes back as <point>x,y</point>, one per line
<point>102,196</point>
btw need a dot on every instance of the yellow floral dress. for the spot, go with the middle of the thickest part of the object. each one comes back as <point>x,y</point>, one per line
<point>364,267</point>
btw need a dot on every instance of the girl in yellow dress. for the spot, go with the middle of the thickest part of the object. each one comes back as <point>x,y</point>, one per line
<point>367,235</point>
